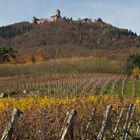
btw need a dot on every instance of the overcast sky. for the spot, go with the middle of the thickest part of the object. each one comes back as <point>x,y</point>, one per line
<point>120,13</point>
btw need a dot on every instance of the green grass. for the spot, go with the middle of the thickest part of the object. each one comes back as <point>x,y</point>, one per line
<point>137,83</point>
<point>128,88</point>
<point>108,91</point>
<point>119,89</point>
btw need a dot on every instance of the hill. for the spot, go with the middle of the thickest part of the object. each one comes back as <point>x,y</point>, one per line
<point>11,31</point>
<point>68,38</point>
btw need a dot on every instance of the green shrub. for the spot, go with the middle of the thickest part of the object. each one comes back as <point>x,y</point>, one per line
<point>133,61</point>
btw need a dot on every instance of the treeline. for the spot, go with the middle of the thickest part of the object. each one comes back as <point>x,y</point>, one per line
<point>11,31</point>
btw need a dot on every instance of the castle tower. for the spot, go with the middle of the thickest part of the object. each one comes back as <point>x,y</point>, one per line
<point>56,17</point>
<point>34,20</point>
<point>58,13</point>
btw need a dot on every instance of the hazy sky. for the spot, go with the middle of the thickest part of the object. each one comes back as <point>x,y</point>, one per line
<point>120,13</point>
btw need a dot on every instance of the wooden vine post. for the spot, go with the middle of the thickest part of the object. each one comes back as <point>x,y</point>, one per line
<point>89,124</point>
<point>117,124</point>
<point>7,134</point>
<point>127,124</point>
<point>123,86</point>
<point>138,128</point>
<point>104,123</point>
<point>67,130</point>
<point>113,87</point>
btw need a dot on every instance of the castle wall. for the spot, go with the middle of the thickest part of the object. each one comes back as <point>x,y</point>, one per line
<point>51,19</point>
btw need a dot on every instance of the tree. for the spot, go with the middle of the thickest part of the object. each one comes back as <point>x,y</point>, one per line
<point>132,62</point>
<point>29,59</point>
<point>6,54</point>
<point>40,56</point>
<point>99,20</point>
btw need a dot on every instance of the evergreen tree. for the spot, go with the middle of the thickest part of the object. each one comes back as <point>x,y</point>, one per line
<point>6,53</point>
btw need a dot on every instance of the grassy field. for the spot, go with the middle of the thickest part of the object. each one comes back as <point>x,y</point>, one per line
<point>70,65</point>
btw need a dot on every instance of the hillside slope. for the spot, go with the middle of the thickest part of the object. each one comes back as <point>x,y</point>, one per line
<point>67,36</point>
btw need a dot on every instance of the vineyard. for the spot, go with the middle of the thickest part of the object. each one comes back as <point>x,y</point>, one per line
<point>71,107</point>
<point>69,85</point>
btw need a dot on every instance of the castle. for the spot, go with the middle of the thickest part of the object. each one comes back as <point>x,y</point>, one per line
<point>54,18</point>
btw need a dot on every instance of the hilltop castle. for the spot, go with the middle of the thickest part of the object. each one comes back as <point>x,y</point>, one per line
<point>51,19</point>
<point>55,17</point>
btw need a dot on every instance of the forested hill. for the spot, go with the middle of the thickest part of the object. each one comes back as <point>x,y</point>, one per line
<point>97,34</point>
<point>11,31</point>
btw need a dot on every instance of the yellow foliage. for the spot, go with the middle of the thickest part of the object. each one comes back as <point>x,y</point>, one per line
<point>29,103</point>
<point>136,72</point>
<point>40,56</point>
<point>13,61</point>
<point>29,59</point>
